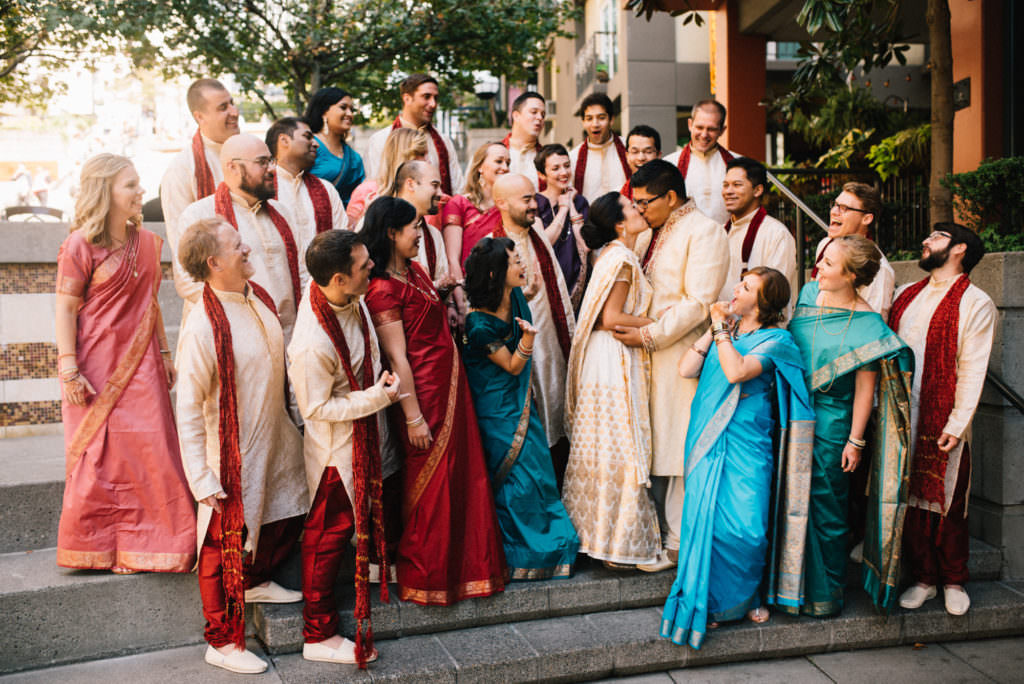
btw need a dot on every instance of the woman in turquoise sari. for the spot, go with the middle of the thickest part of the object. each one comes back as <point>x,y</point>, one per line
<point>846,346</point>
<point>539,538</point>
<point>730,459</point>
<point>330,114</point>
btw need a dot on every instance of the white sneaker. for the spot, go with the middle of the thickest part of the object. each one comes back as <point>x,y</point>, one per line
<point>914,597</point>
<point>344,654</point>
<point>272,592</point>
<point>239,660</point>
<point>957,600</point>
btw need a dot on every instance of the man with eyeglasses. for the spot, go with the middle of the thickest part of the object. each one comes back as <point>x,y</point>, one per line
<point>949,323</point>
<point>855,212</point>
<point>245,200</point>
<point>314,202</point>
<point>685,255</point>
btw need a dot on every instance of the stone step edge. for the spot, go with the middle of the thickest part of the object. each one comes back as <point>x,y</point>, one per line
<point>617,643</point>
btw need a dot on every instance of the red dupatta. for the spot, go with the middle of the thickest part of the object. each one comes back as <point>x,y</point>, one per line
<point>748,239</point>
<point>684,158</point>
<point>224,207</point>
<point>442,153</point>
<point>581,161</point>
<point>205,185</point>
<point>366,472</point>
<point>938,384</point>
<point>547,269</point>
<point>232,517</point>
<point>320,200</point>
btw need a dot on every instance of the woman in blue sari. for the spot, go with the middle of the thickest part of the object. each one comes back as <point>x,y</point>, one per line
<point>845,347</point>
<point>539,538</point>
<point>744,368</point>
<point>330,114</point>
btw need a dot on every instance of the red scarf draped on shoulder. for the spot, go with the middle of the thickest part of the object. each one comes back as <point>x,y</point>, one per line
<point>224,208</point>
<point>684,158</point>
<point>581,161</point>
<point>232,517</point>
<point>429,247</point>
<point>938,384</point>
<point>507,142</point>
<point>627,190</point>
<point>320,200</point>
<point>205,185</point>
<point>547,269</point>
<point>748,239</point>
<point>366,473</point>
<point>442,154</point>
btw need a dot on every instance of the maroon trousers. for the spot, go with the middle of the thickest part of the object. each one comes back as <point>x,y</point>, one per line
<point>327,533</point>
<point>935,546</point>
<point>276,542</point>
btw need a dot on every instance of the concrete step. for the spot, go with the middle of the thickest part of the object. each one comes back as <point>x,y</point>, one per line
<point>626,642</point>
<point>31,490</point>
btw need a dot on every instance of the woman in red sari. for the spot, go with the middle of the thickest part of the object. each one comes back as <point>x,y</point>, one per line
<point>127,506</point>
<point>451,545</point>
<point>469,217</point>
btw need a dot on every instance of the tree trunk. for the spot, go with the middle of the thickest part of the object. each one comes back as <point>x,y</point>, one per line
<point>941,66</point>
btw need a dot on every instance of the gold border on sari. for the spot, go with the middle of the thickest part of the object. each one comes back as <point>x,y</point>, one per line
<point>516,447</point>
<point>134,560</point>
<point>445,597</point>
<point>440,443</point>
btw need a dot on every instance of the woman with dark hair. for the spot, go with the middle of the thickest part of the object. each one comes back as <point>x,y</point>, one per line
<point>846,346</point>
<point>562,211</point>
<point>450,548</point>
<point>607,398</point>
<point>329,114</point>
<point>744,361</point>
<point>539,538</point>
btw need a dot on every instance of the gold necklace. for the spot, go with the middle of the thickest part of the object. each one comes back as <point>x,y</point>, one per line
<point>820,323</point>
<point>431,295</point>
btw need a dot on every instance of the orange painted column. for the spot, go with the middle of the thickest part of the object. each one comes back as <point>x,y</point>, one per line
<point>738,81</point>
<point>976,33</point>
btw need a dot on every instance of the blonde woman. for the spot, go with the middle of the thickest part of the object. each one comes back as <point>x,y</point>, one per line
<point>403,144</point>
<point>127,506</point>
<point>468,217</point>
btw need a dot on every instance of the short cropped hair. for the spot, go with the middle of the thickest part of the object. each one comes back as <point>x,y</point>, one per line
<point>541,160</point>
<point>194,96</point>
<point>757,174</point>
<point>962,235</point>
<point>645,131</point>
<point>517,104</point>
<point>860,257</point>
<point>486,268</point>
<point>773,295</point>
<point>199,243</point>
<point>599,99</point>
<point>412,82</point>
<point>868,196</point>
<point>330,252</point>
<point>284,126</point>
<point>657,177</point>
<point>711,104</point>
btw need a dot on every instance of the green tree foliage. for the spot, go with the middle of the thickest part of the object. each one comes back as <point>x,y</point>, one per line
<point>990,200</point>
<point>907,150</point>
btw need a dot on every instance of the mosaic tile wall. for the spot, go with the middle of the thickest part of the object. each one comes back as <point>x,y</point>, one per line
<point>29,413</point>
<point>28,360</point>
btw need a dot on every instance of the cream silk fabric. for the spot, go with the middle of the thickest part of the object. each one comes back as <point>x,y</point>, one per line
<point>604,169</point>
<point>375,154</point>
<point>704,177</point>
<point>774,247</point>
<point>293,193</point>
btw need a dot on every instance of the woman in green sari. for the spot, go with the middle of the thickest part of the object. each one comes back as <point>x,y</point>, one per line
<point>846,347</point>
<point>539,538</point>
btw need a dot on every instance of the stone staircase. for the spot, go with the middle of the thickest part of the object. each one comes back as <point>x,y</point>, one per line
<point>597,624</point>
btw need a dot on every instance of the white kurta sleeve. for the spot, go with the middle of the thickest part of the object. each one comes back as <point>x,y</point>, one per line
<point>454,168</point>
<point>975,346</point>
<point>312,375</point>
<point>197,382</point>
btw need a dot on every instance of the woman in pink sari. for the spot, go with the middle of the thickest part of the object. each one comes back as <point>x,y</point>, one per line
<point>469,217</point>
<point>127,506</point>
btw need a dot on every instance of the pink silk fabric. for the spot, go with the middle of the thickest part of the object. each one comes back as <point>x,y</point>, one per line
<point>126,500</point>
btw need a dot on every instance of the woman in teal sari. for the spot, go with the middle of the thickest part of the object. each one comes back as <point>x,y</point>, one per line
<point>846,346</point>
<point>730,460</point>
<point>539,538</point>
<point>330,114</point>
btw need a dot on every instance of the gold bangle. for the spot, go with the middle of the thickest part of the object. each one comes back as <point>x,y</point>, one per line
<point>702,353</point>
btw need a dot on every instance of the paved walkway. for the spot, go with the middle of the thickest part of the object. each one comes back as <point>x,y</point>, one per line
<point>986,660</point>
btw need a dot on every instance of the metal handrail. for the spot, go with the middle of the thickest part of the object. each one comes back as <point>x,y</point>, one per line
<point>1008,392</point>
<point>804,209</point>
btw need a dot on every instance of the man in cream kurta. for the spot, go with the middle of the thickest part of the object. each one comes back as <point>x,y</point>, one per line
<point>419,102</point>
<point>935,534</point>
<point>249,196</point>
<point>273,483</point>
<point>528,113</point>
<point>605,170</point>
<point>214,111</point>
<point>704,159</point>
<point>419,184</point>
<point>854,212</point>
<point>294,147</point>
<point>515,199</point>
<point>340,267</point>
<point>773,245</point>
<point>686,258</point>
